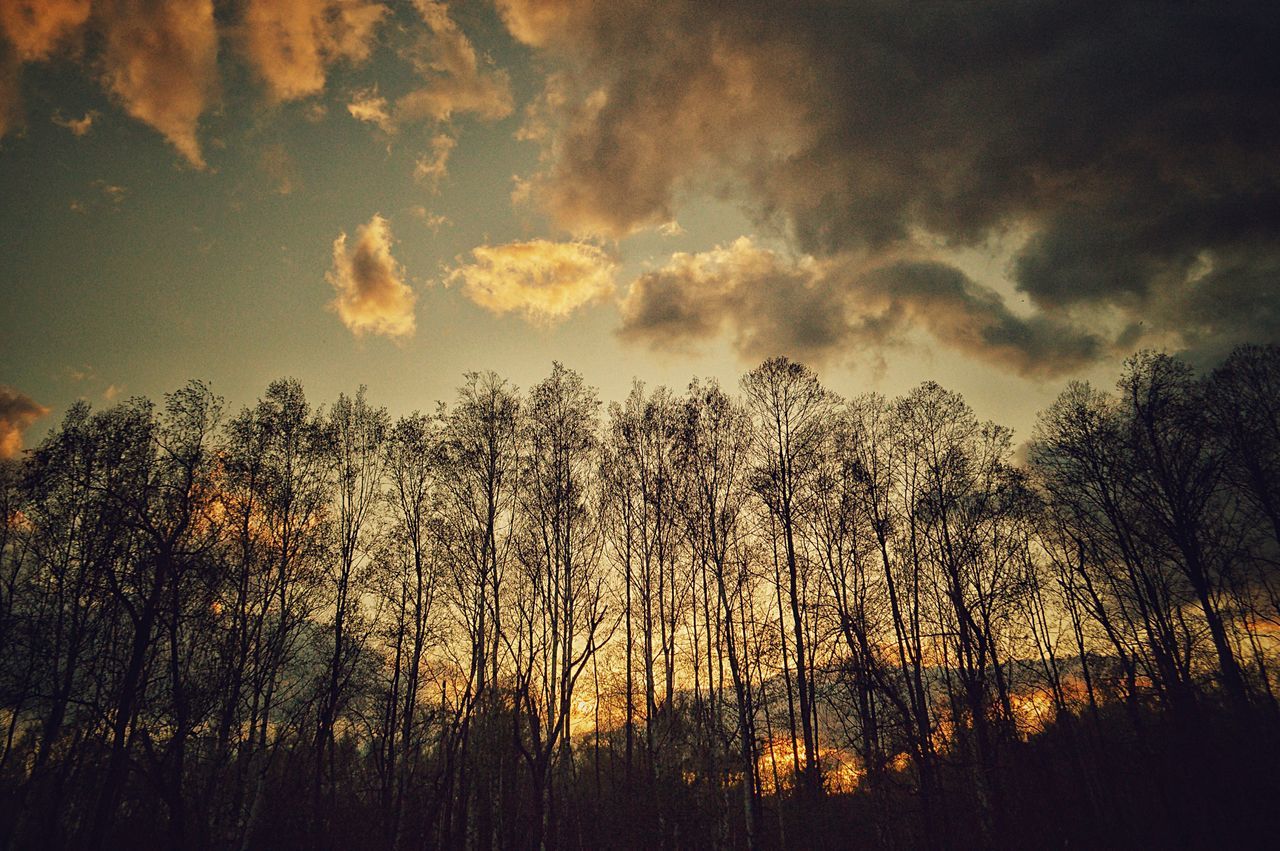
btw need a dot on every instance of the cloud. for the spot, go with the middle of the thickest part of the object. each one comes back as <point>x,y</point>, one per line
<point>973,319</point>
<point>433,221</point>
<point>1232,297</point>
<point>160,59</point>
<point>819,310</point>
<point>370,107</point>
<point>433,166</point>
<point>372,296</point>
<point>36,28</point>
<point>650,103</point>
<point>545,281</point>
<point>457,81</point>
<point>767,304</point>
<point>291,44</point>
<point>17,412</point>
<point>78,126</point>
<point>113,193</point>
<point>1128,146</point>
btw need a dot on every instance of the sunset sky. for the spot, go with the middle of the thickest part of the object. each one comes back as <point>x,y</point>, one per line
<point>1000,196</point>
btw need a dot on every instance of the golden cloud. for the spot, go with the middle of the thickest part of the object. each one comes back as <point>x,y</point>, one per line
<point>160,59</point>
<point>457,81</point>
<point>17,412</point>
<point>292,43</point>
<point>372,296</point>
<point>433,221</point>
<point>433,166</point>
<point>545,281</point>
<point>370,107</point>
<point>37,27</point>
<point>539,23</point>
<point>77,126</point>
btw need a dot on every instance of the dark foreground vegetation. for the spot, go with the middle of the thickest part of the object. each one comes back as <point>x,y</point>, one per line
<point>694,620</point>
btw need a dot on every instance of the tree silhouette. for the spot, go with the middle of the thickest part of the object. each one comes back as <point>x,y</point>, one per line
<point>782,620</point>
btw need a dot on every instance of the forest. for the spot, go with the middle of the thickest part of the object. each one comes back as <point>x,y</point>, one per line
<point>757,617</point>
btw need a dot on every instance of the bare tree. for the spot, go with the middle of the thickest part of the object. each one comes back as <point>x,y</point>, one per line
<point>562,602</point>
<point>411,588</point>
<point>714,453</point>
<point>790,410</point>
<point>356,433</point>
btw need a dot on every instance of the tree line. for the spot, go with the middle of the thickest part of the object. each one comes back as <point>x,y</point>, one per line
<point>698,619</point>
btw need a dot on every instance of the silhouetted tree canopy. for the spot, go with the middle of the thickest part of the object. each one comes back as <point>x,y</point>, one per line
<point>684,620</point>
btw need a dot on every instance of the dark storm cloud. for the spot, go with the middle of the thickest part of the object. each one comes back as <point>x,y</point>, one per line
<point>812,309</point>
<point>972,318</point>
<point>1137,144</point>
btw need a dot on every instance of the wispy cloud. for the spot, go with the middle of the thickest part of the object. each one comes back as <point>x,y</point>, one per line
<point>433,166</point>
<point>453,80</point>
<point>111,191</point>
<point>77,126</point>
<point>368,106</point>
<point>433,221</point>
<point>456,79</point>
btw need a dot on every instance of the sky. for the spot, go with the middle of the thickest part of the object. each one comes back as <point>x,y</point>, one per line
<point>999,196</point>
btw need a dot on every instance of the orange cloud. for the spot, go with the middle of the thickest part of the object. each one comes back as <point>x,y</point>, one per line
<point>372,296</point>
<point>77,126</point>
<point>434,221</point>
<point>539,23</point>
<point>160,58</point>
<point>645,109</point>
<point>545,281</point>
<point>457,81</point>
<point>432,167</point>
<point>370,107</point>
<point>17,412</point>
<point>292,43</point>
<point>37,27</point>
